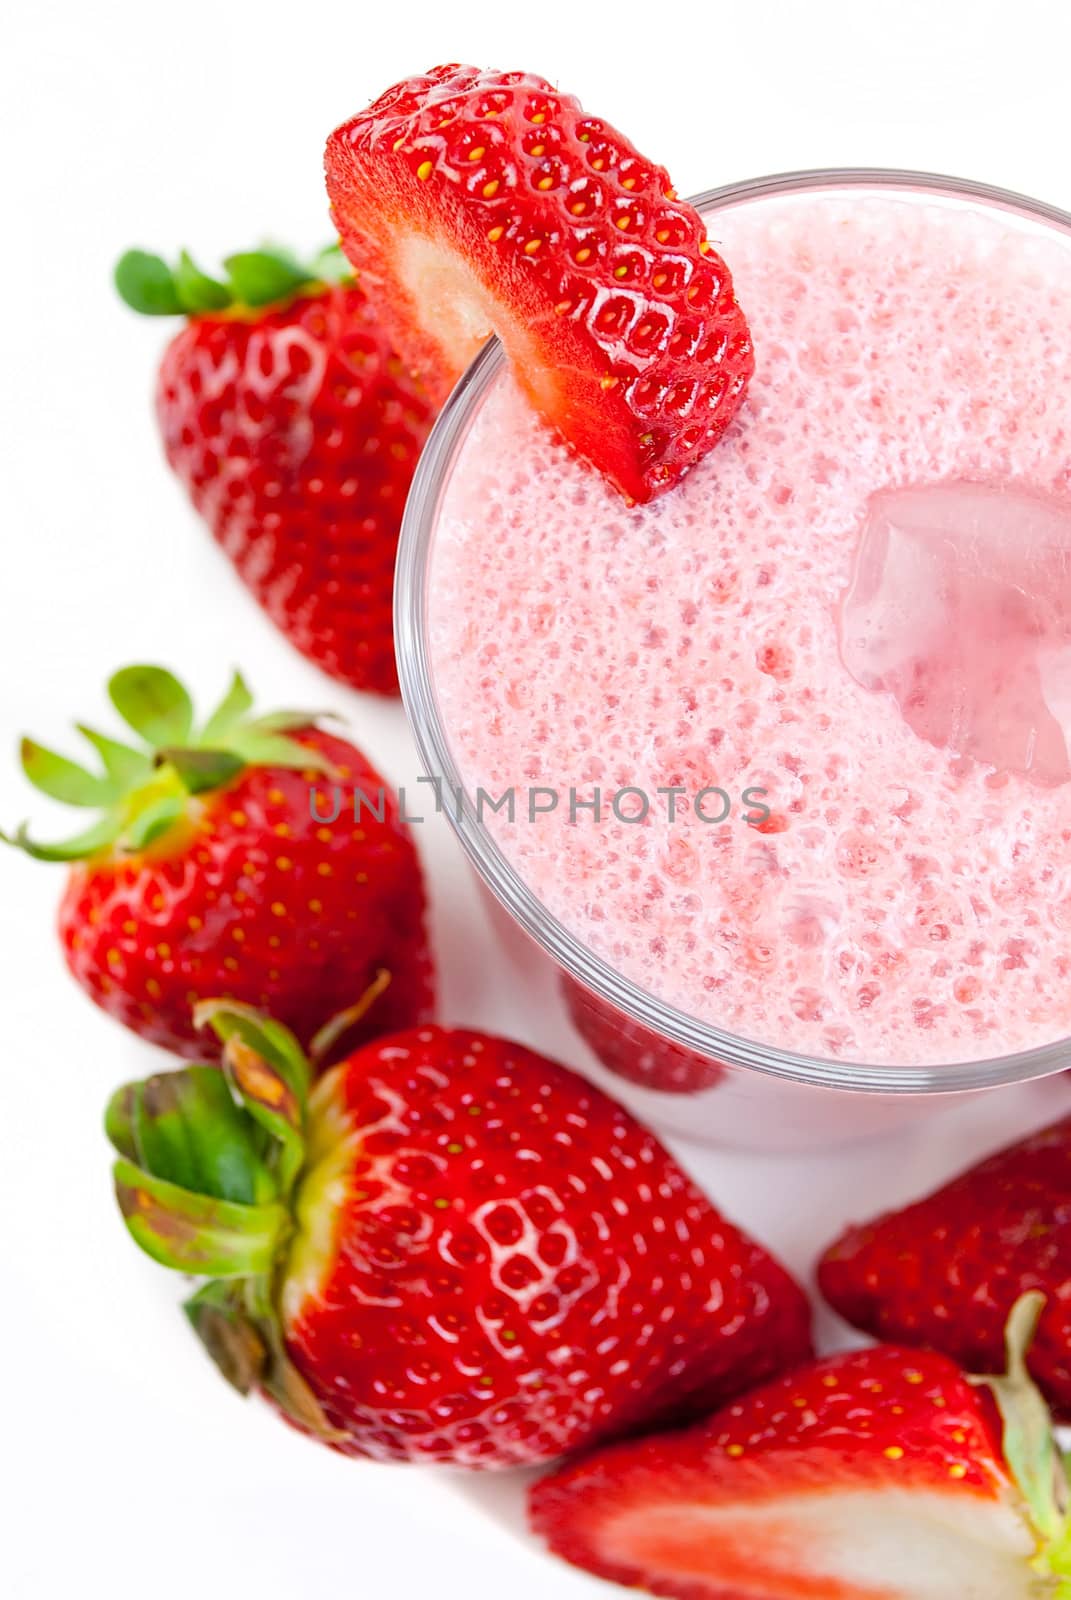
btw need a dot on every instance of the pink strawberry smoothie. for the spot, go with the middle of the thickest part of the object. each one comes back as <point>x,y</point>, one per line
<point>860,602</point>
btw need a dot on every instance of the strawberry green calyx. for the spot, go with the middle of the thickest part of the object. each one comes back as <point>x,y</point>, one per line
<point>1030,1449</point>
<point>270,1074</point>
<point>251,280</point>
<point>206,1169</point>
<point>144,790</point>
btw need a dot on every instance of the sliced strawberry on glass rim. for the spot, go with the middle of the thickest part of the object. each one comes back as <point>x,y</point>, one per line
<point>476,201</point>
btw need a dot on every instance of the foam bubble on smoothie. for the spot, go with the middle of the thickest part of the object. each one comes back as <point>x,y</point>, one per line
<point>909,898</point>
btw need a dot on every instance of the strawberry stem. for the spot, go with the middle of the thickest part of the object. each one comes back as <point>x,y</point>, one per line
<point>1030,1448</point>
<point>339,1025</point>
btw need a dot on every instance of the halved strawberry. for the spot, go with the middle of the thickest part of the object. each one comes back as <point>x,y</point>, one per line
<point>475,201</point>
<point>878,1475</point>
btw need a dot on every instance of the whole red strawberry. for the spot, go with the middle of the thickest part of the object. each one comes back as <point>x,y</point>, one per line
<point>476,201</point>
<point>946,1271</point>
<point>454,1250</point>
<point>295,429</point>
<point>878,1475</point>
<point>210,870</point>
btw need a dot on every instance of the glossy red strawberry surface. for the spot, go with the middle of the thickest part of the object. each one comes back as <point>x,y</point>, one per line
<point>634,1052</point>
<point>296,429</point>
<point>476,200</point>
<point>946,1271</point>
<point>253,898</point>
<point>496,1263</point>
<point>876,1475</point>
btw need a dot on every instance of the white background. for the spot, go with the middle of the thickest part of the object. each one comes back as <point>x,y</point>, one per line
<point>129,1467</point>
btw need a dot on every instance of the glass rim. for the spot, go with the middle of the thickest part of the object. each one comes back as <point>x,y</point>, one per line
<point>419,697</point>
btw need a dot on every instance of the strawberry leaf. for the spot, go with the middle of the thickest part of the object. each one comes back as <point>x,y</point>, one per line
<point>194,1232</point>
<point>263,1035</point>
<point>197,1195</point>
<point>145,791</point>
<point>147,285</point>
<point>255,278</point>
<point>292,721</point>
<point>154,703</point>
<point>201,770</point>
<point>185,1127</point>
<point>291,1393</point>
<point>196,290</point>
<point>275,750</point>
<point>259,277</point>
<point>64,780</point>
<point>271,1100</point>
<point>78,848</point>
<point>123,764</point>
<point>239,1328</point>
<point>270,1073</point>
<point>331,266</point>
<point>119,1121</point>
<point>153,821</point>
<point>230,1337</point>
<point>236,704</point>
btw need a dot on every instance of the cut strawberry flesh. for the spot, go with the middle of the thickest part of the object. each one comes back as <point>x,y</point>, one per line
<point>475,201</point>
<point>876,1475</point>
<point>880,1545</point>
